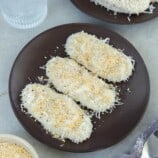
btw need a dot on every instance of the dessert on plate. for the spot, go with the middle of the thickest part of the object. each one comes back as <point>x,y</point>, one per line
<point>75,81</point>
<point>126,6</point>
<point>99,57</point>
<point>57,113</point>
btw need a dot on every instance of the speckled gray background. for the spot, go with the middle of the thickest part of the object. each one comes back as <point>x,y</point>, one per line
<point>143,36</point>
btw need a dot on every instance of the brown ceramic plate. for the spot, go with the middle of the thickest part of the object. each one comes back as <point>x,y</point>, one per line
<point>102,13</point>
<point>111,128</point>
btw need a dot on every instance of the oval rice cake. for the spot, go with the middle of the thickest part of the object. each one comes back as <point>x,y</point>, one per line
<point>57,113</point>
<point>99,57</point>
<point>75,81</point>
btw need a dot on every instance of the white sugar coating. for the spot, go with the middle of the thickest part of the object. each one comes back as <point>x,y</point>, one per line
<point>57,113</point>
<point>75,81</point>
<point>10,150</point>
<point>99,57</point>
<point>125,6</point>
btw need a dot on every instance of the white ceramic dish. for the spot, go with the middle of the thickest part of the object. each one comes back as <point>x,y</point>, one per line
<point>19,141</point>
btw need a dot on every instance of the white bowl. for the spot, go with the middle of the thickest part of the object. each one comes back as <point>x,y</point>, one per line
<point>19,141</point>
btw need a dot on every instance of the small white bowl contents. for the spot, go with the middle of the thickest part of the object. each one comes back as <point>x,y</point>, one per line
<point>15,147</point>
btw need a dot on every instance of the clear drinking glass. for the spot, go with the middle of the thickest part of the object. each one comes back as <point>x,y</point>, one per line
<point>24,14</point>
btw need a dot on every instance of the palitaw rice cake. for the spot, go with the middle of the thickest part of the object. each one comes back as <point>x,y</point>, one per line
<point>75,81</point>
<point>99,57</point>
<point>57,113</point>
<point>125,6</point>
